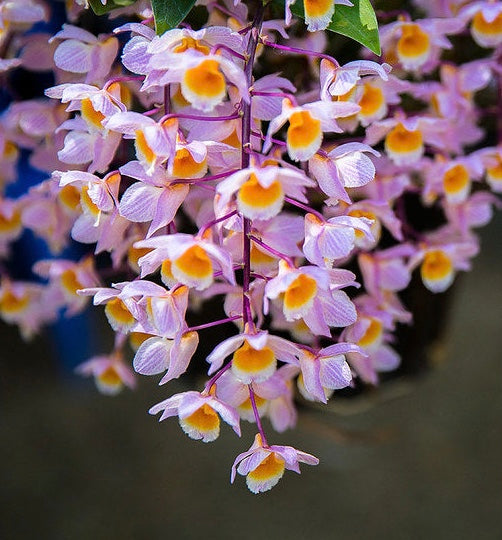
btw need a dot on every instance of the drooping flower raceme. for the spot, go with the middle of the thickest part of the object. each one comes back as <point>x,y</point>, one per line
<point>199,166</point>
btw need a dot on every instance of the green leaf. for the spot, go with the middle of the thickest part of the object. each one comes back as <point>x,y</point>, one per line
<point>100,9</point>
<point>357,22</point>
<point>169,13</point>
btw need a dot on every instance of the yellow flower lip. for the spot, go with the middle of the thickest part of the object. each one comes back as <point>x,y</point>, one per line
<point>193,268</point>
<point>372,102</point>
<point>191,43</point>
<point>204,85</point>
<point>70,197</point>
<point>11,224</point>
<point>404,146</point>
<point>373,333</point>
<point>455,180</point>
<point>185,166</point>
<point>204,418</point>
<point>110,377</point>
<point>250,364</point>
<point>93,117</point>
<point>118,315</point>
<point>317,8</point>
<point>413,47</point>
<point>304,131</point>
<point>10,303</point>
<point>487,34</point>
<point>270,468</point>
<point>143,150</point>
<point>300,293</point>
<point>436,265</point>
<point>253,199</point>
<point>70,282</point>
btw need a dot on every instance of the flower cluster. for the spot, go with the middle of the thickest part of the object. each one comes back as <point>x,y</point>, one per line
<point>202,171</point>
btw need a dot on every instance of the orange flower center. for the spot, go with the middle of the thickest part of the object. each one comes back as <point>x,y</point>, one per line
<point>301,291</point>
<point>303,129</point>
<point>271,467</point>
<point>253,360</point>
<point>436,265</point>
<point>195,262</point>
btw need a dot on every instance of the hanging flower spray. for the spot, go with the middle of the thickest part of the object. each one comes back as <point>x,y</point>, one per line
<point>228,153</point>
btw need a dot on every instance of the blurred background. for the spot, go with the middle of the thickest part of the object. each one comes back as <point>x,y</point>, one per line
<point>418,458</point>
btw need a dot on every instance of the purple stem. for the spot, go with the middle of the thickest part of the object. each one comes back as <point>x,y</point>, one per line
<point>245,30</point>
<point>221,46</point>
<point>167,99</point>
<point>213,323</point>
<point>151,112</point>
<point>124,78</point>
<point>274,252</point>
<point>257,416</point>
<point>216,376</point>
<point>201,118</point>
<point>206,178</point>
<point>275,94</point>
<point>272,140</point>
<point>309,209</point>
<point>254,36</point>
<point>215,221</point>
<point>295,50</point>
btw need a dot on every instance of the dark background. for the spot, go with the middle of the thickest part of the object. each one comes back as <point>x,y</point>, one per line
<point>421,458</point>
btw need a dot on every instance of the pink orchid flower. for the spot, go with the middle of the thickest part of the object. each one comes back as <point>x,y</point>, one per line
<point>110,373</point>
<point>191,260</point>
<point>326,370</point>
<point>417,44</point>
<point>233,391</point>
<point>199,414</point>
<point>261,190</point>
<point>263,465</point>
<point>405,137</point>
<point>255,355</point>
<point>345,166</point>
<point>441,255</point>
<point>155,198</point>
<point>386,270</point>
<point>94,104</point>
<point>318,15</point>
<point>65,279</point>
<point>311,293</point>
<point>307,124</point>
<point>336,80</point>
<point>83,53</point>
<point>203,79</point>
<point>486,22</point>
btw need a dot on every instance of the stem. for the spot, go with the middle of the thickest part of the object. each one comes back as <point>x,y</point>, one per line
<point>215,221</point>
<point>271,139</point>
<point>205,178</point>
<point>221,46</point>
<point>308,209</point>
<point>296,50</point>
<point>275,94</point>
<point>245,160</point>
<point>274,252</point>
<point>167,99</point>
<point>257,416</point>
<point>213,323</point>
<point>201,118</point>
<point>123,78</point>
<point>151,112</point>
<point>216,376</point>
